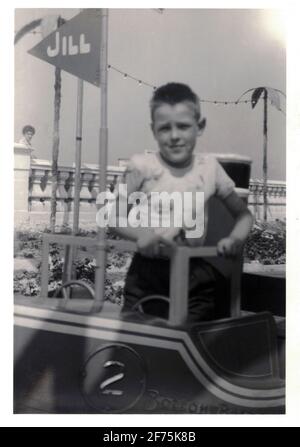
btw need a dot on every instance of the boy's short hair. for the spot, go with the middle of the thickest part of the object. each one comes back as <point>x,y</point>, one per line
<point>28,128</point>
<point>174,93</point>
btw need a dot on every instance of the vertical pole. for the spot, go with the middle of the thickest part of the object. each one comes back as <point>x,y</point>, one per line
<point>265,162</point>
<point>78,156</point>
<point>179,285</point>
<point>103,141</point>
<point>235,286</point>
<point>70,250</point>
<point>55,146</point>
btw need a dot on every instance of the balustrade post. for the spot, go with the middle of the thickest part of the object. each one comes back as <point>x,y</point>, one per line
<point>69,186</point>
<point>93,187</point>
<point>86,204</point>
<point>36,204</point>
<point>62,194</point>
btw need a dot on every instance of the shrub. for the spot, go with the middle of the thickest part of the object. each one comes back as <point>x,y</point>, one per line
<point>267,243</point>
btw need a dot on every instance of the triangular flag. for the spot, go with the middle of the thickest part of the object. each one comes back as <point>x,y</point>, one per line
<point>75,46</point>
<point>274,98</point>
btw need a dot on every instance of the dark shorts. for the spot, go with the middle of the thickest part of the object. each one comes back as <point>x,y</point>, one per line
<point>146,276</point>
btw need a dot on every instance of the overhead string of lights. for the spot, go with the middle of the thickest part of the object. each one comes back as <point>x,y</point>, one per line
<point>129,76</point>
<point>147,84</point>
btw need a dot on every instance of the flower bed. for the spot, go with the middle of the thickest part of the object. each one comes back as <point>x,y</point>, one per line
<point>265,245</point>
<point>28,245</point>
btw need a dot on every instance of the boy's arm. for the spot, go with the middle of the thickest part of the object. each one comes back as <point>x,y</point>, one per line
<point>232,245</point>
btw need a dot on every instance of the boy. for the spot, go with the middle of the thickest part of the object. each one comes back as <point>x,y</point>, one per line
<point>176,124</point>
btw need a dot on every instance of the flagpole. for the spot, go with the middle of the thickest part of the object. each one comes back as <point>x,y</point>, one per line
<point>103,142</point>
<point>55,143</point>
<point>78,156</point>
<point>70,251</point>
<point>265,163</point>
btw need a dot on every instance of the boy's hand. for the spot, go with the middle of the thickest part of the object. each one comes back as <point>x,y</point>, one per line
<point>149,244</point>
<point>229,247</point>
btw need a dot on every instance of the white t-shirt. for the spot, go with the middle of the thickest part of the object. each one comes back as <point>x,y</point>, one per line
<point>149,173</point>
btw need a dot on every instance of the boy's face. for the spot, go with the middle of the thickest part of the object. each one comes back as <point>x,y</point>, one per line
<point>175,129</point>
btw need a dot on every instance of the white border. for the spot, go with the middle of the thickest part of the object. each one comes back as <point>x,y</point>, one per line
<point>6,200</point>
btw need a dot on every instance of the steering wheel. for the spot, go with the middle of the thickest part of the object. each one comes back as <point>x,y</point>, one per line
<point>139,306</point>
<point>69,284</point>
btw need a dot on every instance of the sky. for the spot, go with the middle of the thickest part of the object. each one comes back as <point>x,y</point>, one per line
<point>220,53</point>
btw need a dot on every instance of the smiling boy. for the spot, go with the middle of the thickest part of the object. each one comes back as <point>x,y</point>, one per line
<point>176,125</point>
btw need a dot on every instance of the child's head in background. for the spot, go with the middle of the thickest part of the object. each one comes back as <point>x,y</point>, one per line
<point>176,122</point>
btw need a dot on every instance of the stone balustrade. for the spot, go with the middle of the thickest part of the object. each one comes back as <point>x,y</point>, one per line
<point>276,199</point>
<point>33,185</point>
<point>40,181</point>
